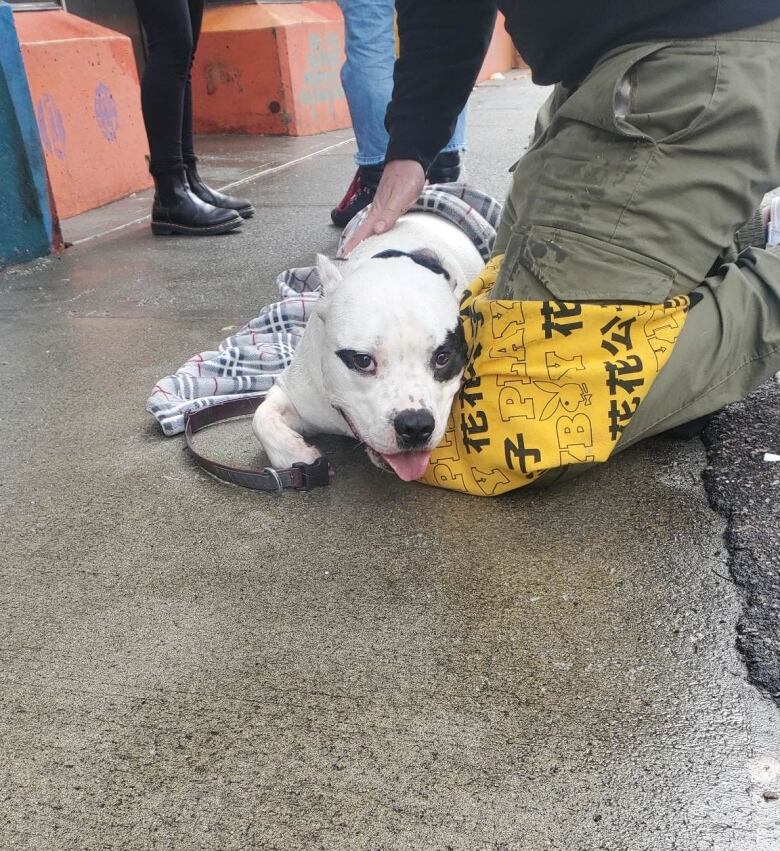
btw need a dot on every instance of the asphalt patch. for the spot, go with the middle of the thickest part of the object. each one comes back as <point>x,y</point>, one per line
<point>744,488</point>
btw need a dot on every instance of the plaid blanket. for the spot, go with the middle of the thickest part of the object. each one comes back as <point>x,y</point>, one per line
<point>248,362</point>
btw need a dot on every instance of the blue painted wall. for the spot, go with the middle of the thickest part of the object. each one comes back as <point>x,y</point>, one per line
<point>25,217</point>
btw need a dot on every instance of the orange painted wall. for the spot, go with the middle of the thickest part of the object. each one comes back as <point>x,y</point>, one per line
<point>237,84</point>
<point>315,54</point>
<point>84,86</point>
<point>274,68</point>
<point>271,68</point>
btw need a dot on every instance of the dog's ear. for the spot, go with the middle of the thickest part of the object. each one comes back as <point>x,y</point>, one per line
<point>329,274</point>
<point>431,260</point>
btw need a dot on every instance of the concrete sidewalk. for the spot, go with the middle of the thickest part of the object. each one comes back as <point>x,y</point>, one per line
<point>371,666</point>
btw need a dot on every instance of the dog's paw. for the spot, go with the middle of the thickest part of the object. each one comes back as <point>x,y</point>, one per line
<point>284,450</point>
<point>276,426</point>
<point>302,454</point>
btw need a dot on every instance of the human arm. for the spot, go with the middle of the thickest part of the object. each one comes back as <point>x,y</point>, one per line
<point>443,44</point>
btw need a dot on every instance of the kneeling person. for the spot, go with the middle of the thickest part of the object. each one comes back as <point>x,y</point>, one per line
<point>630,306</point>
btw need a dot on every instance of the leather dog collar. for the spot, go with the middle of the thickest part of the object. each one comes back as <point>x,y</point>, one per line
<point>298,477</point>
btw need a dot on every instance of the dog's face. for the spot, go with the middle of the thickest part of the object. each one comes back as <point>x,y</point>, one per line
<point>394,355</point>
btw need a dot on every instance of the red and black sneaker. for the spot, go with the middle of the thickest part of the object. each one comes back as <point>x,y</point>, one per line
<point>359,194</point>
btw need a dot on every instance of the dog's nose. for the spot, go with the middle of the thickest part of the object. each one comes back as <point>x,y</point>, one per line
<point>414,428</point>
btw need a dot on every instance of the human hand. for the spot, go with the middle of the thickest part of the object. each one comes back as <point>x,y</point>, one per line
<point>400,186</point>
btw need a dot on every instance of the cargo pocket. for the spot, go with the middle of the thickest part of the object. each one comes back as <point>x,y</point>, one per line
<point>575,267</point>
<point>667,94</point>
<point>653,93</point>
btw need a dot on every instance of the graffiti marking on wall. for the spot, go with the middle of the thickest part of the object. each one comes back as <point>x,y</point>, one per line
<point>51,126</point>
<point>219,74</point>
<point>321,82</point>
<point>106,112</point>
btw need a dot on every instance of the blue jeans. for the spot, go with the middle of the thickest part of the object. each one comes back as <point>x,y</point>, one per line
<point>367,77</point>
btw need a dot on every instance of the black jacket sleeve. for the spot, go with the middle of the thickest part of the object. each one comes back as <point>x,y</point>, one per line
<point>443,45</point>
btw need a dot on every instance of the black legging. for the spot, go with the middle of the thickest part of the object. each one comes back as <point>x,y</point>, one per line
<point>172,29</point>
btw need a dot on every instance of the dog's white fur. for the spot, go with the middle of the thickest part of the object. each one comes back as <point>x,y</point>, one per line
<point>393,309</point>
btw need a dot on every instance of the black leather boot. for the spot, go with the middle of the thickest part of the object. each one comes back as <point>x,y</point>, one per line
<point>242,206</point>
<point>177,210</point>
<point>446,168</point>
<point>360,194</point>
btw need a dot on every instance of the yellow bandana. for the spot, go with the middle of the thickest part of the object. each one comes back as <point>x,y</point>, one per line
<point>547,384</point>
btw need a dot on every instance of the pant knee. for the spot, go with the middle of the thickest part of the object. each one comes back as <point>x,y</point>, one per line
<point>173,54</point>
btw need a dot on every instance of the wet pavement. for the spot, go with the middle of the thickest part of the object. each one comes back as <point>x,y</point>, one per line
<point>372,666</point>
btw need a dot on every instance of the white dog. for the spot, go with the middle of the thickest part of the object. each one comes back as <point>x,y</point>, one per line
<point>382,355</point>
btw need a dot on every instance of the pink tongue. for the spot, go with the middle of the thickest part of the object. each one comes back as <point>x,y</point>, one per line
<point>408,466</point>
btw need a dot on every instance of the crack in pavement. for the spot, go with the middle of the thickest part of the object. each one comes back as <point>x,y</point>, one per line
<point>744,488</point>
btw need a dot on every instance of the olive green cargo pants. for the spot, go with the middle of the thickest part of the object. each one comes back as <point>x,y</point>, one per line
<point>632,190</point>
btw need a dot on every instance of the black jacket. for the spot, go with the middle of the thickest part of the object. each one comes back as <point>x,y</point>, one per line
<point>443,43</point>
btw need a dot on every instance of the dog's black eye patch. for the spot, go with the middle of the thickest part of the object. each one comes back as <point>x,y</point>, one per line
<point>421,258</point>
<point>455,345</point>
